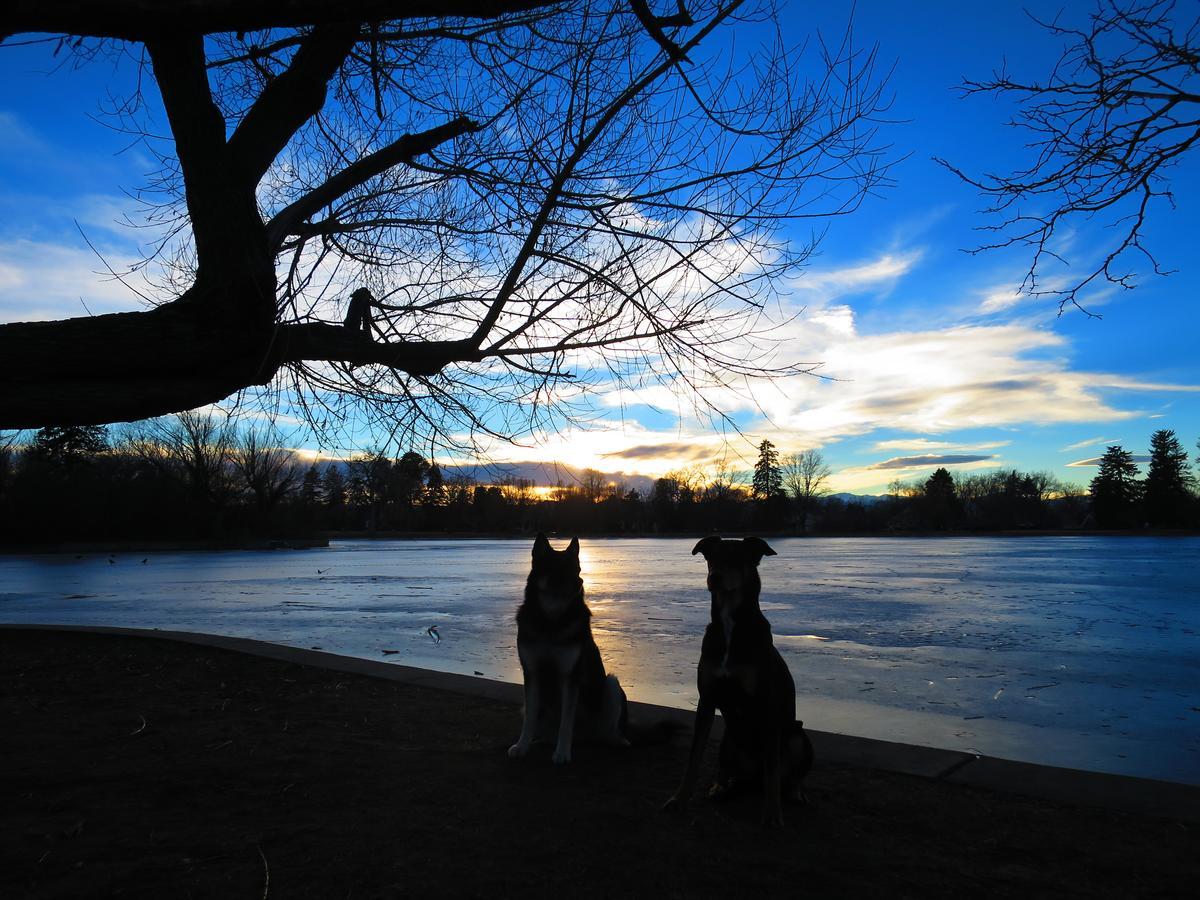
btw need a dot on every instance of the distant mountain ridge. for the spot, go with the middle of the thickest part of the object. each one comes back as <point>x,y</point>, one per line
<point>863,499</point>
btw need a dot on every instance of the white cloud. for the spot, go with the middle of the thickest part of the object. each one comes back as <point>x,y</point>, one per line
<point>41,281</point>
<point>925,382</point>
<point>883,271</point>
<point>1006,295</point>
<point>1001,298</point>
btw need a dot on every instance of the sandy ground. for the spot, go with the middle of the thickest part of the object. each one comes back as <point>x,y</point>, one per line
<point>135,767</point>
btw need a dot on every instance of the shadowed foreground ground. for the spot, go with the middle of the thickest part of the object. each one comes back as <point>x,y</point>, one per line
<point>144,768</point>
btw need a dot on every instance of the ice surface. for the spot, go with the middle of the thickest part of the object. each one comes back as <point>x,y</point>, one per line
<point>1076,651</point>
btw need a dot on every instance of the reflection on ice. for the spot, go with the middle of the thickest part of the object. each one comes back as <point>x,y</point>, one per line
<point>1069,651</point>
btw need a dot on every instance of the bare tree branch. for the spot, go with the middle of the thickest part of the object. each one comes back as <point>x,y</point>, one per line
<point>541,209</point>
<point>1119,109</point>
<point>403,149</point>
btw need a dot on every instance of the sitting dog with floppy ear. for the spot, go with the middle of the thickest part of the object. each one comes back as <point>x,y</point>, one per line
<point>742,674</point>
<point>564,674</point>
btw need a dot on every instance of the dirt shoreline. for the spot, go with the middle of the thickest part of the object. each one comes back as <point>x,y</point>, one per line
<point>137,767</point>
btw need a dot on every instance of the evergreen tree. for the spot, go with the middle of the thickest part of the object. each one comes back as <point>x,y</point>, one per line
<point>333,486</point>
<point>6,468</point>
<point>768,481</point>
<point>310,487</point>
<point>69,442</point>
<point>941,500</point>
<point>408,476</point>
<point>1116,493</point>
<point>435,486</point>
<point>1168,484</point>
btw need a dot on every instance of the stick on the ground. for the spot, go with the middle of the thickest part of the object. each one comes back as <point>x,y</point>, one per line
<point>266,871</point>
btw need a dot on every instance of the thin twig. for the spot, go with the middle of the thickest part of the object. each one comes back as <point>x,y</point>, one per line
<point>266,871</point>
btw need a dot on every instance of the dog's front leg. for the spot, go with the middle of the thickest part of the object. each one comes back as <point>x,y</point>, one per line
<point>773,781</point>
<point>533,699</point>
<point>566,724</point>
<point>705,712</point>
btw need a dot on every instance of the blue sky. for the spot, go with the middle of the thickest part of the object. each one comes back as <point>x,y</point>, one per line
<point>931,357</point>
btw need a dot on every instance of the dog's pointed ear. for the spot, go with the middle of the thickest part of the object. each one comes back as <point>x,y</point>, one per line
<point>758,547</point>
<point>541,546</point>
<point>706,545</point>
<point>573,547</point>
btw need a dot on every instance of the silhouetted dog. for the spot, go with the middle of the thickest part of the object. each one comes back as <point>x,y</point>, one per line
<point>742,674</point>
<point>560,660</point>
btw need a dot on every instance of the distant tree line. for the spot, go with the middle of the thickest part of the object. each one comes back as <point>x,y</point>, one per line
<point>1117,499</point>
<point>196,477</point>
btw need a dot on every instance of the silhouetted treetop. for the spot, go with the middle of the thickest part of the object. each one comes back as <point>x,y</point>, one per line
<point>1116,492</point>
<point>63,442</point>
<point>767,481</point>
<point>1169,482</point>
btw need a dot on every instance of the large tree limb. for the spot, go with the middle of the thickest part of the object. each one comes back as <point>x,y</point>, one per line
<point>320,342</point>
<point>199,131</point>
<point>127,366</point>
<point>235,274</point>
<point>403,149</point>
<point>138,20</point>
<point>654,26</point>
<point>123,366</point>
<point>289,100</point>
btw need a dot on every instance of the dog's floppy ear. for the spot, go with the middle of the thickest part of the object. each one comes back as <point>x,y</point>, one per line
<point>758,547</point>
<point>707,545</point>
<point>573,547</point>
<point>541,546</point>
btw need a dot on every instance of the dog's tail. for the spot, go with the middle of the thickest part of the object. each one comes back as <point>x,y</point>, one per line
<point>652,734</point>
<point>800,749</point>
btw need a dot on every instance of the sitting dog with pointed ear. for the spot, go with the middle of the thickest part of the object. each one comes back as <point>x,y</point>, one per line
<point>742,674</point>
<point>564,675</point>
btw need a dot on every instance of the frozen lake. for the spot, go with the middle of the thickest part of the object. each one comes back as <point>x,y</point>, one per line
<point>1071,651</point>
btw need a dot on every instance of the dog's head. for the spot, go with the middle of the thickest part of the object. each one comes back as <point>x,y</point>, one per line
<point>554,581</point>
<point>733,569</point>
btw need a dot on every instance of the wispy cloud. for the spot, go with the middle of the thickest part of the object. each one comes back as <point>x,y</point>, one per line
<point>1090,442</point>
<point>1006,295</point>
<point>1001,298</point>
<point>1095,461</point>
<point>882,271</point>
<point>919,462</point>
<point>18,139</point>
<point>684,451</point>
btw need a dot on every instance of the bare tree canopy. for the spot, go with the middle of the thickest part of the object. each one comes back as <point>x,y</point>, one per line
<point>527,200</point>
<point>1118,110</point>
